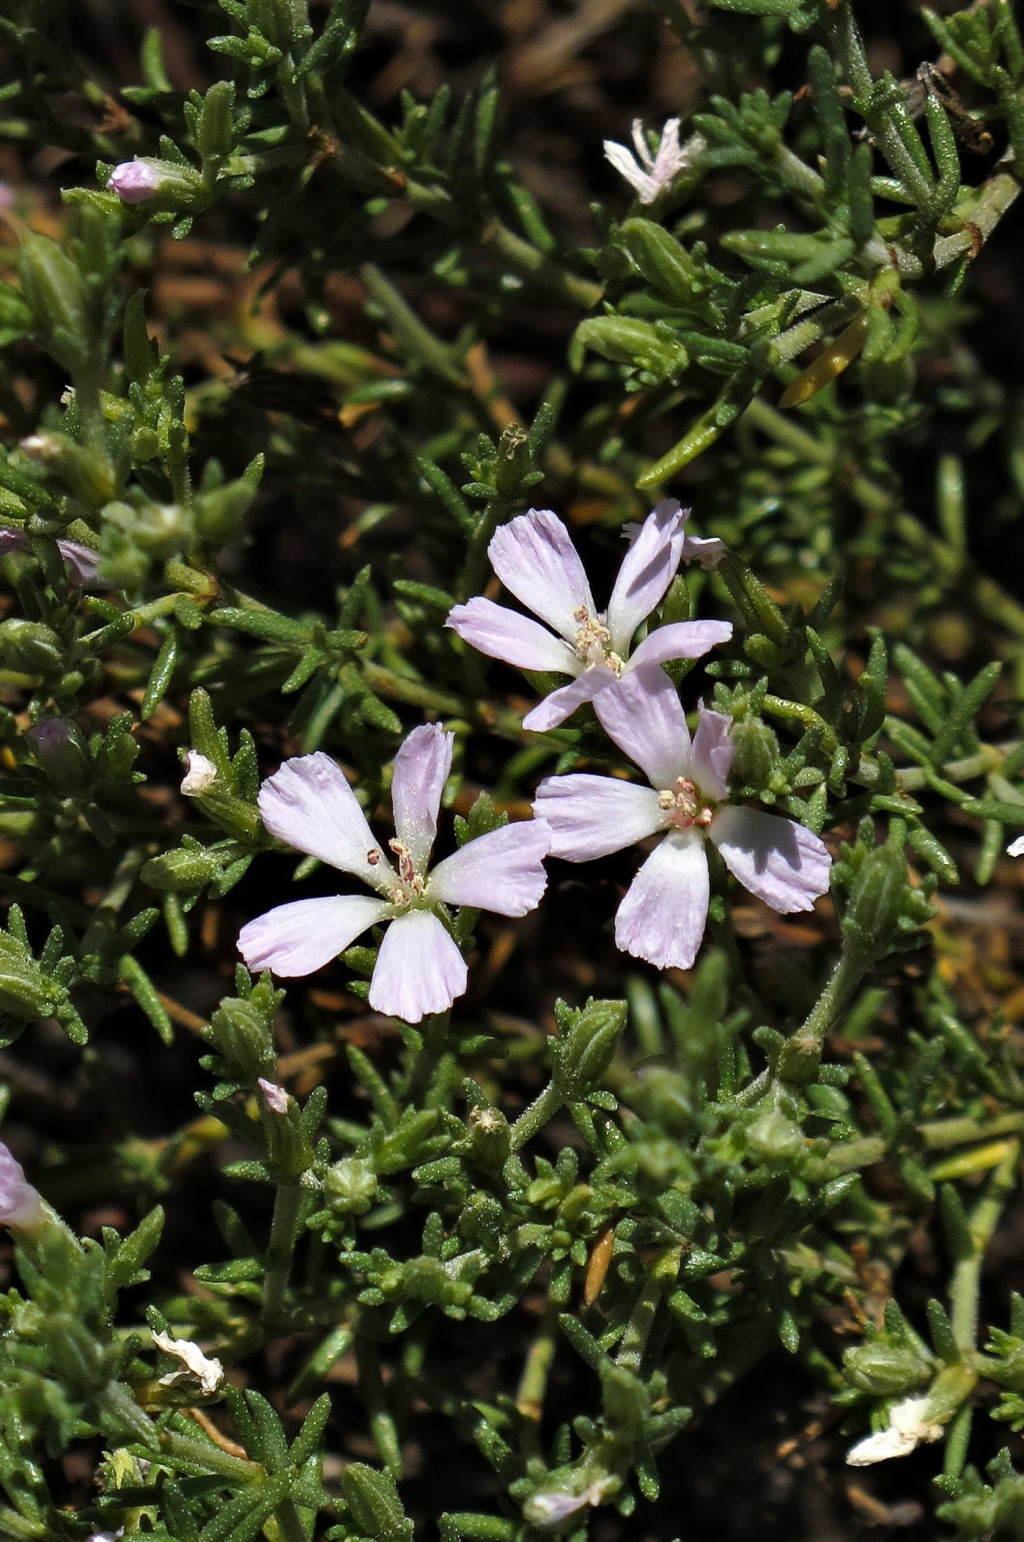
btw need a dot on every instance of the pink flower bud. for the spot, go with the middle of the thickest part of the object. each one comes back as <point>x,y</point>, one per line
<point>134,181</point>
<point>20,1204</point>
<point>277,1097</point>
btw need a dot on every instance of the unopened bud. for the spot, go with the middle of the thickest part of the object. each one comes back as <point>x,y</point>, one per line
<point>29,647</point>
<point>586,1051</point>
<point>146,178</point>
<point>277,1098</point>
<point>757,752</point>
<point>885,1370</point>
<point>134,181</point>
<point>178,871</point>
<point>20,1204</point>
<point>875,906</point>
<point>60,752</point>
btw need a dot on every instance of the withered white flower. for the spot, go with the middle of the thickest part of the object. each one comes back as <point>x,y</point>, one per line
<point>200,774</point>
<point>650,174</point>
<point>208,1372</point>
<point>908,1428</point>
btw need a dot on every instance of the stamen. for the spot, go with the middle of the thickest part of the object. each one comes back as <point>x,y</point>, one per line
<point>684,803</point>
<point>410,885</point>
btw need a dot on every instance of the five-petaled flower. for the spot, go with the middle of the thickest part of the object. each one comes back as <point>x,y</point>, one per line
<point>649,174</point>
<point>536,561</point>
<point>310,806</point>
<point>663,915</point>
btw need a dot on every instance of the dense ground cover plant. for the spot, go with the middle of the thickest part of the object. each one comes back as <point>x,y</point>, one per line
<point>523,1198</point>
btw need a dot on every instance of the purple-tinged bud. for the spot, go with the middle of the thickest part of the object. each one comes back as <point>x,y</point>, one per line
<point>134,181</point>
<point>276,1097</point>
<point>20,1204</point>
<point>60,752</point>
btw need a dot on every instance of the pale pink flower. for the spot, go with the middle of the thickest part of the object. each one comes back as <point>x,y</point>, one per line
<point>82,560</point>
<point>134,181</point>
<point>663,915</point>
<point>537,562</point>
<point>309,805</point>
<point>649,175</point>
<point>20,1204</point>
<point>1016,848</point>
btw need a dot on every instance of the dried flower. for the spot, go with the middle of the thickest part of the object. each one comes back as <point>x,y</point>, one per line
<point>20,1203</point>
<point>536,561</point>
<point>208,1372</point>
<point>908,1427</point>
<point>663,915</point>
<point>309,805</point>
<point>649,175</point>
<point>200,774</point>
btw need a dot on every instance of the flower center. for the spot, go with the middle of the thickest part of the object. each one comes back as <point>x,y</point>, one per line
<point>685,805</point>
<point>410,885</point>
<point>592,642</point>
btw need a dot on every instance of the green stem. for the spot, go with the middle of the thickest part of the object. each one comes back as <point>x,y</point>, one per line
<point>966,1285</point>
<point>283,1235</point>
<point>536,1116</point>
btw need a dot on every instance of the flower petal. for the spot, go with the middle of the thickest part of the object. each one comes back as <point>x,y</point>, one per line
<point>504,634</point>
<point>561,704</point>
<point>627,166</point>
<point>648,568</point>
<point>536,561</point>
<point>680,640</point>
<point>645,718</point>
<point>880,1447</point>
<point>591,816</point>
<point>297,939</point>
<point>421,770</point>
<point>309,805</point>
<point>713,750</point>
<point>780,861</point>
<point>419,969</point>
<point>1016,848</point>
<point>82,561</point>
<point>663,915</point>
<point>502,872</point>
